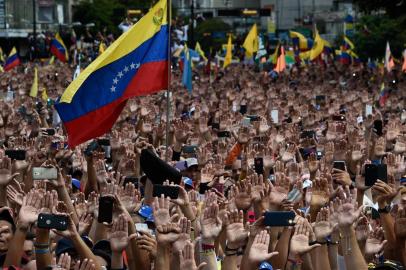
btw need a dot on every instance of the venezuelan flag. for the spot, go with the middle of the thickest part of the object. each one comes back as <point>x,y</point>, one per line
<point>12,60</point>
<point>135,64</point>
<point>301,41</point>
<point>58,48</point>
<point>383,95</point>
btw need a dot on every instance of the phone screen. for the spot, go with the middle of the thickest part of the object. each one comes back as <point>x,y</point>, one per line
<point>259,165</point>
<point>279,218</point>
<point>106,209</point>
<point>275,116</point>
<point>368,110</point>
<point>373,172</point>
<point>168,191</point>
<point>340,165</point>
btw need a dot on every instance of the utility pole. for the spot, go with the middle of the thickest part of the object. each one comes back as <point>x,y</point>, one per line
<point>192,17</point>
<point>34,25</point>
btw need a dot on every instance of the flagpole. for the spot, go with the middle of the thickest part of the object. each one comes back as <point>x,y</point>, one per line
<point>168,91</point>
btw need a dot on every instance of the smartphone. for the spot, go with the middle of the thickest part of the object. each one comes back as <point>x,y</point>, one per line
<point>243,109</point>
<point>103,142</point>
<point>259,165</point>
<point>310,134</point>
<point>373,172</point>
<point>378,125</point>
<point>16,154</point>
<point>105,209</point>
<point>339,118</point>
<point>189,149</point>
<point>279,218</point>
<point>254,118</point>
<point>215,125</point>
<point>168,191</point>
<point>50,131</point>
<point>246,122</point>
<point>305,152</point>
<point>275,116</point>
<point>339,165</point>
<point>224,134</point>
<point>41,173</point>
<point>319,155</point>
<point>131,179</point>
<point>368,110</point>
<point>141,227</point>
<point>52,221</point>
<point>293,195</point>
<point>91,148</point>
<point>360,120</point>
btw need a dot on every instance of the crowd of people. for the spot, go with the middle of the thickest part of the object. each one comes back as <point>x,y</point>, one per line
<point>275,174</point>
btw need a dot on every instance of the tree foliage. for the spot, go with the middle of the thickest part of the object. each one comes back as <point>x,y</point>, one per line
<point>383,21</point>
<point>204,33</point>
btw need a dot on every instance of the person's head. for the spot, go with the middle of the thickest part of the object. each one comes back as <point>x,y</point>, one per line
<point>7,228</point>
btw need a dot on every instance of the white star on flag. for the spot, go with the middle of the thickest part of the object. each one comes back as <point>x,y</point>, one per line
<point>113,89</point>
<point>115,81</point>
<point>120,74</point>
<point>132,65</point>
<point>126,69</point>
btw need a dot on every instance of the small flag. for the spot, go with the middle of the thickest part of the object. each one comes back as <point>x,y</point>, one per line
<point>389,64</point>
<point>383,96</point>
<point>228,58</point>
<point>58,48</point>
<point>12,60</point>
<point>251,41</point>
<point>1,55</point>
<point>199,50</point>
<point>187,70</point>
<point>44,95</point>
<point>136,64</point>
<point>318,46</point>
<point>102,47</point>
<point>281,62</point>
<point>52,60</point>
<point>34,87</point>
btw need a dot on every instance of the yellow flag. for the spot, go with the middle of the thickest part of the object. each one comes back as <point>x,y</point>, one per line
<point>51,61</point>
<point>102,47</point>
<point>227,59</point>
<point>318,46</point>
<point>274,56</point>
<point>199,50</point>
<point>34,87</point>
<point>251,41</point>
<point>44,95</point>
<point>1,55</point>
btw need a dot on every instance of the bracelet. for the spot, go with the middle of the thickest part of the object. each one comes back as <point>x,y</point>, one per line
<point>41,251</point>
<point>41,245</point>
<point>297,260</point>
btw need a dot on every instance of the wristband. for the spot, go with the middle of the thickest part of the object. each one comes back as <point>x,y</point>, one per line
<point>295,260</point>
<point>41,245</point>
<point>41,251</point>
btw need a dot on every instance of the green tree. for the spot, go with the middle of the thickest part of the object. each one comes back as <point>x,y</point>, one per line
<point>204,33</point>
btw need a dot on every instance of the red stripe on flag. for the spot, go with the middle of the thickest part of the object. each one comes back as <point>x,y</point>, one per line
<point>12,65</point>
<point>60,55</point>
<point>100,121</point>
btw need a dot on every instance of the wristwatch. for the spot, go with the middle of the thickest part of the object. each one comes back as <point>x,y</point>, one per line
<point>384,210</point>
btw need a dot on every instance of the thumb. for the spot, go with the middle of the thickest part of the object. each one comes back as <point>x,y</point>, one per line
<point>270,255</point>
<point>201,266</point>
<point>310,248</point>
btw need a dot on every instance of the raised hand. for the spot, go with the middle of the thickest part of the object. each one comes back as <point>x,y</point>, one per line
<point>146,242</point>
<point>400,223</point>
<point>63,262</point>
<point>167,233</point>
<point>187,258</point>
<point>184,236</point>
<point>237,233</point>
<point>299,243</point>
<point>322,227</point>
<point>85,223</point>
<point>257,186</point>
<point>130,197</point>
<point>347,211</point>
<point>375,242</point>
<point>29,210</point>
<point>210,223</point>
<point>242,191</point>
<point>86,264</point>
<point>384,193</point>
<point>119,234</point>
<point>259,249</point>
<point>160,208</point>
<point>320,193</point>
<point>5,171</point>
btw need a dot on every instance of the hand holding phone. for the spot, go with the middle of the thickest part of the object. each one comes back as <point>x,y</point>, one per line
<point>16,154</point>
<point>168,191</point>
<point>42,173</point>
<point>105,209</point>
<point>373,172</point>
<point>52,221</point>
<point>279,218</point>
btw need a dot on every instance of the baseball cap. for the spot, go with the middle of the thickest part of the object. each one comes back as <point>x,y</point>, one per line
<point>145,211</point>
<point>265,266</point>
<point>186,164</point>
<point>187,181</point>
<point>75,183</point>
